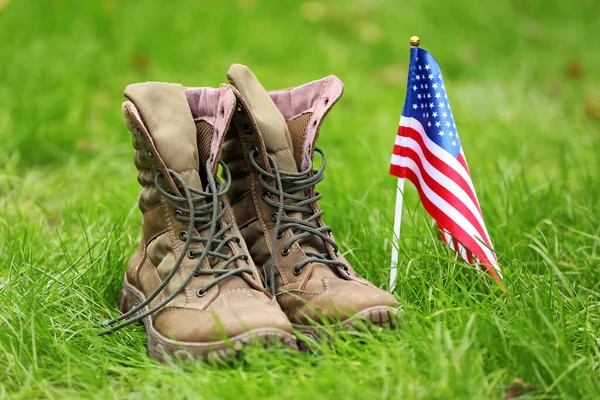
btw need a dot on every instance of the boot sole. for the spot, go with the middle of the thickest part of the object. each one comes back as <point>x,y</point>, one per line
<point>378,316</point>
<point>164,350</point>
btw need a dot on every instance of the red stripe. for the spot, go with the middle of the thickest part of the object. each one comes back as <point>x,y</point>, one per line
<point>463,162</point>
<point>443,236</point>
<point>456,230</point>
<point>436,162</point>
<point>445,193</point>
<point>469,256</point>
<point>441,166</point>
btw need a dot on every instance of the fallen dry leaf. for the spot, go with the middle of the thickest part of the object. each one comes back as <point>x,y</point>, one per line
<point>573,69</point>
<point>592,108</point>
<point>86,146</point>
<point>517,389</point>
<point>139,61</point>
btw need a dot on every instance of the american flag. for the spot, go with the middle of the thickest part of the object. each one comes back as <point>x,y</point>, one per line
<point>428,152</point>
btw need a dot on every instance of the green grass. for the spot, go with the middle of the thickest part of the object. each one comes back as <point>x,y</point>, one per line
<point>524,84</point>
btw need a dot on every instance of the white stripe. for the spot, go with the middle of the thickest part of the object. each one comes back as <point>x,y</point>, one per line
<point>449,240</point>
<point>447,158</point>
<point>435,149</point>
<point>443,180</point>
<point>452,213</point>
<point>447,236</point>
<point>463,250</point>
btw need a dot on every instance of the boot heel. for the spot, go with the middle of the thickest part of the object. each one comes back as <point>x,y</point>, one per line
<point>123,307</point>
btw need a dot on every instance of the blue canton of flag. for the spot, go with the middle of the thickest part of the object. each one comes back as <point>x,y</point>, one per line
<point>427,101</point>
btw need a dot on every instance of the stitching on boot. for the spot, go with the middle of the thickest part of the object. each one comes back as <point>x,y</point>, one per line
<point>283,151</point>
<point>259,214</point>
<point>296,293</point>
<point>152,208</point>
<point>229,291</point>
<point>136,272</point>
<point>154,271</point>
<point>175,247</point>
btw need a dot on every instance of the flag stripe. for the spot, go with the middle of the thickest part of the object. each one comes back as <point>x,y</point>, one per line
<point>463,161</point>
<point>436,156</point>
<point>453,170</point>
<point>490,264</point>
<point>448,239</point>
<point>441,210</point>
<point>437,151</point>
<point>447,188</point>
<point>448,216</point>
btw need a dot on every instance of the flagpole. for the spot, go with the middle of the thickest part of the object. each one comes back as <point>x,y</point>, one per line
<point>414,42</point>
<point>396,237</point>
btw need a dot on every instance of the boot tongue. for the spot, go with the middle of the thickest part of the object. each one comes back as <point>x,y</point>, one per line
<point>269,119</point>
<point>276,135</point>
<point>166,114</point>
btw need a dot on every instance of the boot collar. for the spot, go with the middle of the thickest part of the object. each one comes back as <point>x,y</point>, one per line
<point>216,107</point>
<point>317,98</point>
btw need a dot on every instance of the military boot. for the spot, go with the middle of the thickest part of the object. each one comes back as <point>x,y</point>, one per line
<point>269,149</point>
<point>191,280</point>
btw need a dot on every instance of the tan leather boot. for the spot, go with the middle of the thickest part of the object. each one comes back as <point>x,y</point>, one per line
<point>270,149</point>
<point>191,280</point>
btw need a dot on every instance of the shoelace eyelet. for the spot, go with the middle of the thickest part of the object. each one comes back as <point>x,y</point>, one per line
<point>297,271</point>
<point>222,204</point>
<point>274,217</point>
<point>183,235</point>
<point>197,215</point>
<point>248,129</point>
<point>280,234</point>
<point>285,251</point>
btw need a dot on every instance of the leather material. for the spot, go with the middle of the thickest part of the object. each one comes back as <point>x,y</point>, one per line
<point>266,116</point>
<point>161,118</point>
<point>318,292</point>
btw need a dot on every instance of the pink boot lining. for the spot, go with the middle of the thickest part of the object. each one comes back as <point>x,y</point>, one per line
<point>214,106</point>
<point>316,97</point>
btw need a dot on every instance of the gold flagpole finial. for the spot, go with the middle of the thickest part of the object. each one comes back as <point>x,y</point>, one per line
<point>415,41</point>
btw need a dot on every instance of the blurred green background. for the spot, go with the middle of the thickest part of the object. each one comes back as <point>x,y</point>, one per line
<point>523,79</point>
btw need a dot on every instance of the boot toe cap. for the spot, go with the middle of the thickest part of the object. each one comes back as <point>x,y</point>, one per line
<point>343,300</point>
<point>206,326</point>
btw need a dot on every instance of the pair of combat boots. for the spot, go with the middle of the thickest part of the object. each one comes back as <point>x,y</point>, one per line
<point>225,262</point>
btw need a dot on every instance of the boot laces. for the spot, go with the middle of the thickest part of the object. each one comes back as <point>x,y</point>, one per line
<point>294,195</point>
<point>201,210</point>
